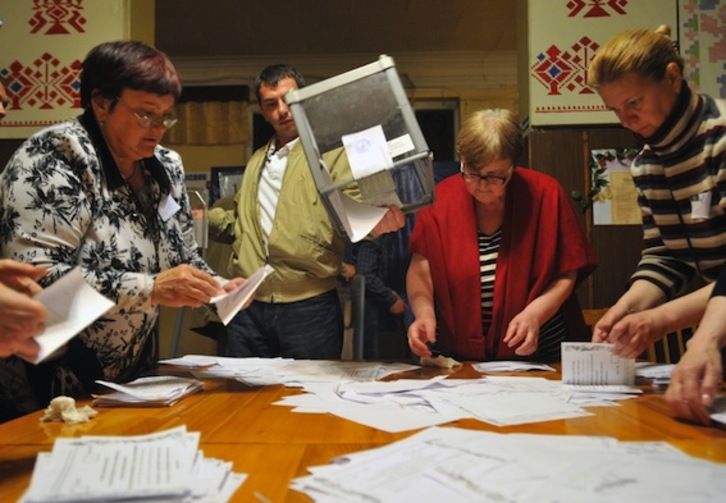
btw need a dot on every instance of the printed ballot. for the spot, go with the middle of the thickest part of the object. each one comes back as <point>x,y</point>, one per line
<point>590,363</point>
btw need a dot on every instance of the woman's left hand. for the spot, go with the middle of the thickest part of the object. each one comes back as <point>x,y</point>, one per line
<point>523,331</point>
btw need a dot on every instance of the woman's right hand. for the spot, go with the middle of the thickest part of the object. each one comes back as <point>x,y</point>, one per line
<point>422,332</point>
<point>601,331</point>
<point>184,286</point>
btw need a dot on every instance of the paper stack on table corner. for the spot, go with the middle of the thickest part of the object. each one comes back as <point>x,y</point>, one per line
<point>154,391</point>
<point>164,466</point>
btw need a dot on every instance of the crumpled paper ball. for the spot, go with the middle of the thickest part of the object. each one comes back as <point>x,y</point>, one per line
<point>63,408</point>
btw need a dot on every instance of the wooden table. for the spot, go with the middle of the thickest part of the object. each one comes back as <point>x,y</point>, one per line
<point>273,445</point>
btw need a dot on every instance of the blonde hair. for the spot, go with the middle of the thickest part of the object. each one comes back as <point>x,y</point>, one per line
<point>489,135</point>
<point>643,51</point>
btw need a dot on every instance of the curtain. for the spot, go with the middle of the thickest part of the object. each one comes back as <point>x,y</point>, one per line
<point>211,123</point>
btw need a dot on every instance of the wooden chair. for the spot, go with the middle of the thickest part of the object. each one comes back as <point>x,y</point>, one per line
<point>670,348</point>
<point>358,304</point>
<point>592,316</point>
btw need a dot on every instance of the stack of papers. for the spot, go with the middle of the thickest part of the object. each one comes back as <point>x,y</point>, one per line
<point>452,464</point>
<point>511,366</point>
<point>161,466</point>
<point>659,374</point>
<point>155,391</point>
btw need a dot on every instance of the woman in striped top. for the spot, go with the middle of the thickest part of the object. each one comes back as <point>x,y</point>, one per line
<point>680,175</point>
<point>497,256</point>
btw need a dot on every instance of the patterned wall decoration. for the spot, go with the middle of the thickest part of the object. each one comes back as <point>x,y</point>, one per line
<point>57,17</point>
<point>703,45</point>
<point>582,8</point>
<point>562,38</point>
<point>49,39</point>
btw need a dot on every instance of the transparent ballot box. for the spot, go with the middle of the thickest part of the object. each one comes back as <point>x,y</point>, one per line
<point>361,139</point>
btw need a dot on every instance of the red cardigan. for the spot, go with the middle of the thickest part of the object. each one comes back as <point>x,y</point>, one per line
<point>541,239</point>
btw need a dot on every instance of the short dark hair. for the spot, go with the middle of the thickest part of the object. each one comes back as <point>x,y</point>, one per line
<point>273,74</point>
<point>111,67</point>
<point>4,82</point>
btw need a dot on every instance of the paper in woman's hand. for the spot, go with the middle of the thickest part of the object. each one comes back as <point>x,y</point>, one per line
<point>72,305</point>
<point>230,303</point>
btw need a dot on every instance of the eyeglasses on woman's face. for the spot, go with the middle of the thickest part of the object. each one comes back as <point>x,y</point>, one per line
<point>148,121</point>
<point>488,179</point>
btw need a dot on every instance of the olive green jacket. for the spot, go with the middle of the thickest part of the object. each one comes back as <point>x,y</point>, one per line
<point>304,248</point>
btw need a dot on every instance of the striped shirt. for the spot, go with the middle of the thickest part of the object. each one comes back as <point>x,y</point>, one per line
<point>683,161</point>
<point>551,333</point>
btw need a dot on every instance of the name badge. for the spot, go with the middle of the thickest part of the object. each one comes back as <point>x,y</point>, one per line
<point>701,206</point>
<point>168,208</point>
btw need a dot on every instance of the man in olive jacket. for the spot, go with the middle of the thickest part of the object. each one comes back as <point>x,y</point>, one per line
<point>279,219</point>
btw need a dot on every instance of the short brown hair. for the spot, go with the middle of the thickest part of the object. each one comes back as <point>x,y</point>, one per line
<point>111,67</point>
<point>644,51</point>
<point>489,135</point>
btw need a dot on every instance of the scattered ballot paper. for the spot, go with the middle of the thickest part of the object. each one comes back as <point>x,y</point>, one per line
<point>590,363</point>
<point>72,305</point>
<point>511,366</point>
<point>155,391</point>
<point>229,304</point>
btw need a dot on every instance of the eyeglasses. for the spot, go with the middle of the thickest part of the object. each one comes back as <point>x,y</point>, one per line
<point>147,121</point>
<point>487,179</point>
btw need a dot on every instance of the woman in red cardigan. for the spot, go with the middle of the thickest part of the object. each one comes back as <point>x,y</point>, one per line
<point>495,260</point>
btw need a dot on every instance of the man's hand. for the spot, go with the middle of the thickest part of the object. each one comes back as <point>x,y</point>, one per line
<point>393,220</point>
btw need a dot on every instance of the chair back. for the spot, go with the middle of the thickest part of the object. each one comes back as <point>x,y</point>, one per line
<point>592,316</point>
<point>358,301</point>
<point>669,348</point>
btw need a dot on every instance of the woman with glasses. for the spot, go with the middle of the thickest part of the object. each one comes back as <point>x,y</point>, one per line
<point>680,174</point>
<point>98,192</point>
<point>496,259</point>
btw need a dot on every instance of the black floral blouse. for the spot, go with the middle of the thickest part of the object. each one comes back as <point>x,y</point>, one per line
<point>64,204</point>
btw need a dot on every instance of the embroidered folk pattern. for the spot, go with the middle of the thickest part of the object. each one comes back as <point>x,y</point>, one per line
<point>45,84</point>
<point>560,70</point>
<point>596,8</point>
<point>57,17</point>
<point>703,25</point>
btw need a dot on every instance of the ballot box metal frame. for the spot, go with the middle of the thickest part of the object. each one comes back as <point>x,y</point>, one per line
<point>418,162</point>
